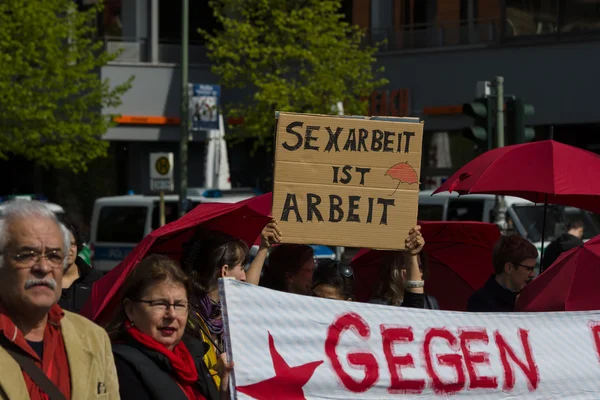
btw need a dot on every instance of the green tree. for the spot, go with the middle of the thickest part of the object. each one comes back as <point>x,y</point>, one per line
<point>51,93</point>
<point>297,56</point>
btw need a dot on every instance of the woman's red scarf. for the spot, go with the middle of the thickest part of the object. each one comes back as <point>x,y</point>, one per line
<point>182,362</point>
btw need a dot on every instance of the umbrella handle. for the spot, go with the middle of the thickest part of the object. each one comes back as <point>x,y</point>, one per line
<point>543,234</point>
<point>396,188</point>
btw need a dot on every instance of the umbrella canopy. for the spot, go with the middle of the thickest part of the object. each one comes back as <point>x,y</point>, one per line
<point>459,257</point>
<point>570,284</point>
<point>542,172</point>
<point>244,220</point>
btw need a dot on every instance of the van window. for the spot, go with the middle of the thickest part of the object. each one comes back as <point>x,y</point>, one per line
<point>171,212</point>
<point>465,210</point>
<point>532,218</point>
<point>121,224</point>
<point>428,212</point>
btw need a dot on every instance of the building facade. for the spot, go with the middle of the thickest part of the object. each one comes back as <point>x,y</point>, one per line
<point>433,51</point>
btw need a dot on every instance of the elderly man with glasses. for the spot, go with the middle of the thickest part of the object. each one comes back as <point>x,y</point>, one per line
<point>45,352</point>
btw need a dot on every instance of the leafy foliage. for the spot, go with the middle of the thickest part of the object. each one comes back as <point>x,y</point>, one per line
<point>51,91</point>
<point>297,56</point>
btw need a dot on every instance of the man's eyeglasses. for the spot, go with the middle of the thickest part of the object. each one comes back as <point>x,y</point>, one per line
<point>28,259</point>
<point>527,267</point>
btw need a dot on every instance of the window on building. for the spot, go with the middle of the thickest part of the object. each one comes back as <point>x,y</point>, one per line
<point>346,9</point>
<point>531,17</point>
<point>382,20</point>
<point>169,21</point>
<point>469,13</point>
<point>580,16</point>
<point>112,25</point>
<point>544,17</point>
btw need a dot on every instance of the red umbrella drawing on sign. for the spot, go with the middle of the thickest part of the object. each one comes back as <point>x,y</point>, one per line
<point>403,173</point>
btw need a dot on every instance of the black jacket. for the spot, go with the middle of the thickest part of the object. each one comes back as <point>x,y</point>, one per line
<point>492,297</point>
<point>144,374</point>
<point>564,242</point>
<point>75,296</point>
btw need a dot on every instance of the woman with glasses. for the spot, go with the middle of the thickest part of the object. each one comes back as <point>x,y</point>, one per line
<point>154,357</point>
<point>333,280</point>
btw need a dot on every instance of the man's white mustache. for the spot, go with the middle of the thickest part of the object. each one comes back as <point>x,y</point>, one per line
<point>51,283</point>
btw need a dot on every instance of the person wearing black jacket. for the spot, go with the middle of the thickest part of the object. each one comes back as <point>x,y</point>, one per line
<point>514,260</point>
<point>566,241</point>
<point>78,277</point>
<point>155,357</point>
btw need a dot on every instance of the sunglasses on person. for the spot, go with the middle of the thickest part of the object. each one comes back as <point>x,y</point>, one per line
<point>344,270</point>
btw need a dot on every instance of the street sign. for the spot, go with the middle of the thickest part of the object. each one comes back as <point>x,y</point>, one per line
<point>161,172</point>
<point>204,106</point>
<point>161,185</point>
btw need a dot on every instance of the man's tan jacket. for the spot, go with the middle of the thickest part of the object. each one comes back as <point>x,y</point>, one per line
<point>91,363</point>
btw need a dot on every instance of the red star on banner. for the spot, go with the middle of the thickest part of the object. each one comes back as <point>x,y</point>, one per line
<point>287,382</point>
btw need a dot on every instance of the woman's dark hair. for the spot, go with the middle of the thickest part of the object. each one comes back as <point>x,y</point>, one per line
<point>283,260</point>
<point>205,256</point>
<point>329,272</point>
<point>151,270</point>
<point>75,231</point>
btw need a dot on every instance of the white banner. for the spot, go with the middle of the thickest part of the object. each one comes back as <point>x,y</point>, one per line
<point>288,346</point>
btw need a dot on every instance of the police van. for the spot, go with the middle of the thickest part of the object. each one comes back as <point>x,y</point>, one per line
<point>522,216</point>
<point>119,223</point>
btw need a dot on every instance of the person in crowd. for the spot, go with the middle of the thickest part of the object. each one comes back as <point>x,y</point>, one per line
<point>45,352</point>
<point>78,277</point>
<point>401,277</point>
<point>514,259</point>
<point>390,290</point>
<point>568,240</point>
<point>211,255</point>
<point>290,269</point>
<point>333,280</point>
<point>154,356</point>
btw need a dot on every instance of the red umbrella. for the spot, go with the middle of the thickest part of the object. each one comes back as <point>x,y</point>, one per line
<point>541,172</point>
<point>460,261</point>
<point>570,284</point>
<point>244,220</point>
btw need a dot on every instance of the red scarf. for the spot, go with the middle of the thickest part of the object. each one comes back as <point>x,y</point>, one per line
<point>182,362</point>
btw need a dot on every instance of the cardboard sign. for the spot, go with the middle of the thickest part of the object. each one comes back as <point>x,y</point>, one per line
<point>347,181</point>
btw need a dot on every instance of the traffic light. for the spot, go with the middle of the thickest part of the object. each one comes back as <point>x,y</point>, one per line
<point>481,110</point>
<point>517,131</point>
